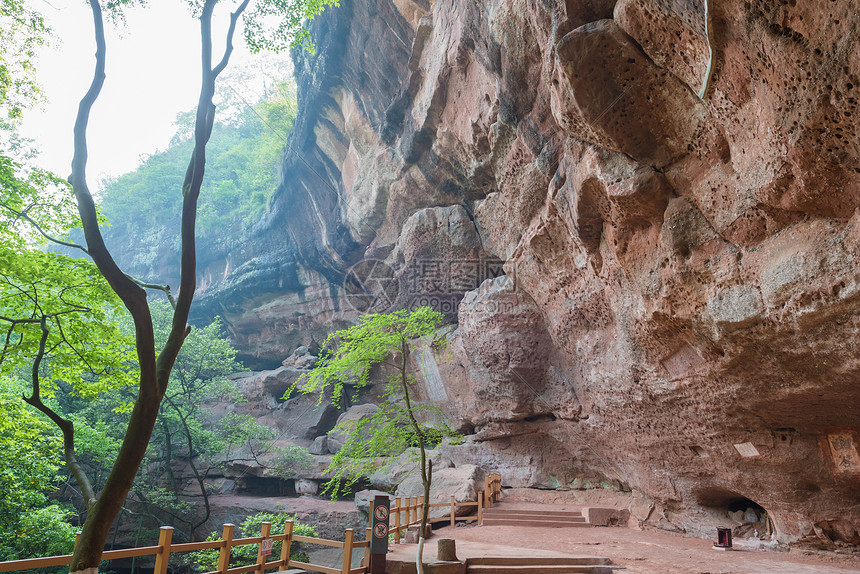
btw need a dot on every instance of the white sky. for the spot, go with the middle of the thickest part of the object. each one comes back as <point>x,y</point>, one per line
<point>153,72</point>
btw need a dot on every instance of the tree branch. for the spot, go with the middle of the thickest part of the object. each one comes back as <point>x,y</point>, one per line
<point>42,232</point>
<point>102,513</point>
<point>164,288</point>
<point>65,425</point>
<point>228,49</point>
<point>200,479</point>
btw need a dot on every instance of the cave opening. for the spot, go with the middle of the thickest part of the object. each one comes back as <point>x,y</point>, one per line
<point>750,517</point>
<point>265,486</point>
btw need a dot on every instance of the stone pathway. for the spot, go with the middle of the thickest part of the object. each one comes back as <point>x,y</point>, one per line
<point>638,552</point>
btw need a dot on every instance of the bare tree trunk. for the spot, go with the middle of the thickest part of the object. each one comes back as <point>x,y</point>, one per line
<point>426,466</point>
<point>154,368</point>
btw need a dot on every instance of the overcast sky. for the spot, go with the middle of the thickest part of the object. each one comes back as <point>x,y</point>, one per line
<point>153,72</point>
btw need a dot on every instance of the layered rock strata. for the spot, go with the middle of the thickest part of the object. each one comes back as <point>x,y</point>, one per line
<point>682,273</point>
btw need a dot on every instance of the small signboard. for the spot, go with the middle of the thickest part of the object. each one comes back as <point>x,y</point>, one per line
<point>266,546</point>
<point>379,526</point>
<point>747,449</point>
<point>380,530</point>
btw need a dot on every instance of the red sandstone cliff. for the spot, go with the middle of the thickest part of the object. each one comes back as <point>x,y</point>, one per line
<point>682,271</point>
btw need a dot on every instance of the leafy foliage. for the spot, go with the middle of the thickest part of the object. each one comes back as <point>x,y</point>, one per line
<point>70,299</point>
<point>43,531</point>
<point>290,30</point>
<point>345,362</point>
<point>22,31</point>
<point>207,560</point>
<point>293,461</point>
<point>30,447</point>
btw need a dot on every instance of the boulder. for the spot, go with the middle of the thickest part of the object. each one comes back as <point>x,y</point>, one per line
<point>301,359</point>
<point>337,438</point>
<point>599,77</point>
<point>307,487</point>
<point>319,446</point>
<point>273,383</point>
<point>305,417</point>
<point>392,474</point>
<point>363,498</point>
<point>462,482</point>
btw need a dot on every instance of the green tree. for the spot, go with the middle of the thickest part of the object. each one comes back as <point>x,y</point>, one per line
<point>22,31</point>
<point>64,279</point>
<point>156,365</point>
<point>185,430</point>
<point>55,311</point>
<point>346,359</point>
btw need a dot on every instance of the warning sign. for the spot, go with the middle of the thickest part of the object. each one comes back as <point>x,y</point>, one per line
<point>381,512</point>
<point>266,546</point>
<point>380,530</point>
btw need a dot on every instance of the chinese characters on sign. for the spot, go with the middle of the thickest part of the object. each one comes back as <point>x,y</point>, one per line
<point>844,452</point>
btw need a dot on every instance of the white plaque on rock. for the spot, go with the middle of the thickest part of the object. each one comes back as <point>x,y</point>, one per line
<point>747,449</point>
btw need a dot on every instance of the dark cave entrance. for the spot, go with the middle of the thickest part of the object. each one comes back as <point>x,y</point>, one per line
<point>266,486</point>
<point>752,518</point>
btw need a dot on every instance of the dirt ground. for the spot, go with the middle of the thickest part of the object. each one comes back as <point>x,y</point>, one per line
<point>643,552</point>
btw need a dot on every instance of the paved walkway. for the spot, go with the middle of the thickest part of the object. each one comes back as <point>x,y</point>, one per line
<point>638,552</point>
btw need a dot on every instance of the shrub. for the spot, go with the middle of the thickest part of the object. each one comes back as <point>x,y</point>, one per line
<point>207,560</point>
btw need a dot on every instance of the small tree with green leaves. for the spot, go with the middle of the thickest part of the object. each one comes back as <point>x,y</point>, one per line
<point>346,360</point>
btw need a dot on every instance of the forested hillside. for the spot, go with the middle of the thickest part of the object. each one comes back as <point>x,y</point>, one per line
<point>243,162</point>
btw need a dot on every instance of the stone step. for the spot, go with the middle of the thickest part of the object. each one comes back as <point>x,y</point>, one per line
<point>538,560</point>
<point>535,516</point>
<point>493,511</point>
<point>538,522</point>
<point>554,569</point>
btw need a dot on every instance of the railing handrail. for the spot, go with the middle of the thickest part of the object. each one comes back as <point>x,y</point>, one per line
<point>164,549</point>
<point>486,497</point>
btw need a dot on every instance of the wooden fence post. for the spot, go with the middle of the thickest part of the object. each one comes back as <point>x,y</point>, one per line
<point>224,555</point>
<point>414,510</point>
<point>265,530</point>
<point>480,508</point>
<point>366,560</point>
<point>453,508</point>
<point>347,551</point>
<point>396,520</point>
<point>165,536</point>
<point>285,547</point>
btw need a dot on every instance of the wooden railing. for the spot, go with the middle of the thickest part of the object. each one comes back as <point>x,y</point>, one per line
<point>492,489</point>
<point>410,508</point>
<point>165,548</point>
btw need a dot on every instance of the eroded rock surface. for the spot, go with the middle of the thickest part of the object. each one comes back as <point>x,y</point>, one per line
<point>683,271</point>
